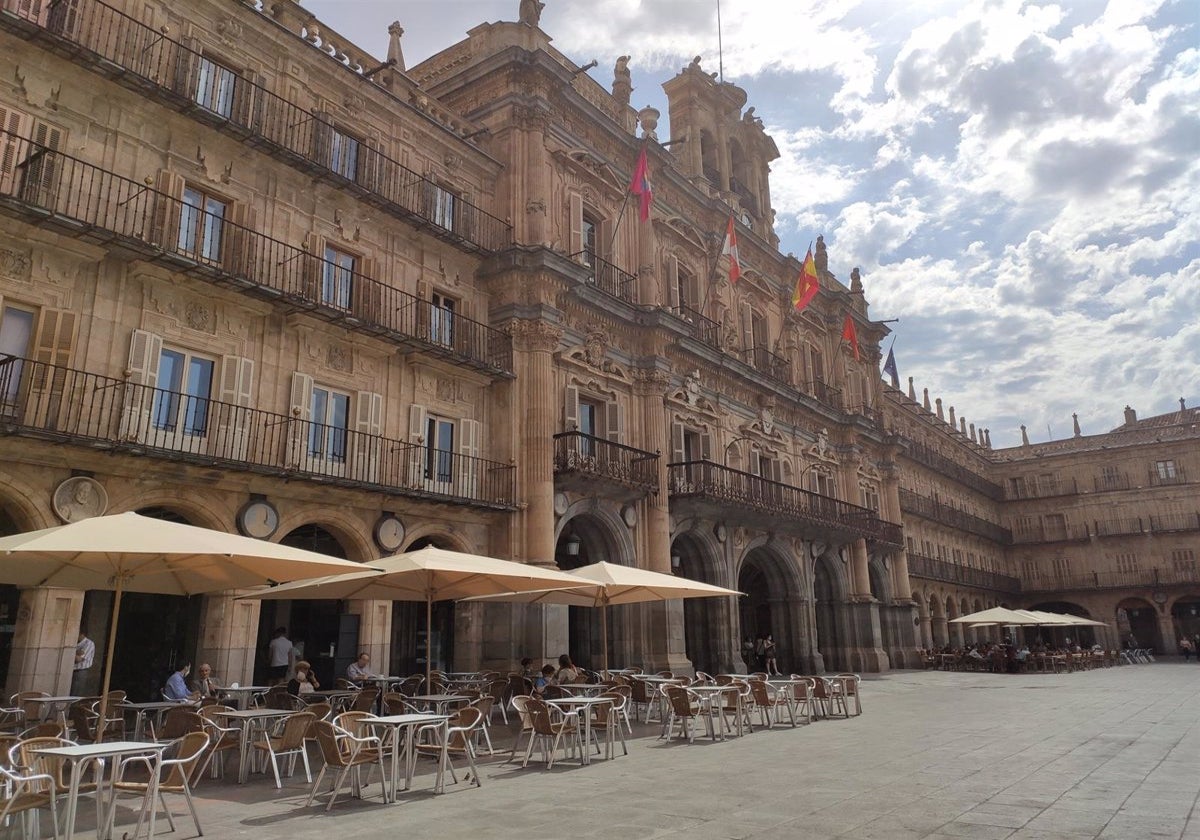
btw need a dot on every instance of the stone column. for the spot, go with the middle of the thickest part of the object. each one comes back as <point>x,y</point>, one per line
<point>1166,632</point>
<point>926,631</point>
<point>43,646</point>
<point>229,637</point>
<point>375,631</point>
<point>860,577</point>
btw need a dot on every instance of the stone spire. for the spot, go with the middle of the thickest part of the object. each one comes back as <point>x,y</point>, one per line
<point>856,286</point>
<point>912,392</point>
<point>1182,405</point>
<point>1024,436</point>
<point>395,53</point>
<point>622,86</point>
<point>962,424</point>
<point>987,438</point>
<point>973,436</point>
<point>928,407</point>
<point>940,415</point>
<point>953,422</point>
<point>1075,420</point>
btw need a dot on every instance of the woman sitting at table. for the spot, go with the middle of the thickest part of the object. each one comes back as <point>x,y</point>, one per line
<point>305,681</point>
<point>567,671</point>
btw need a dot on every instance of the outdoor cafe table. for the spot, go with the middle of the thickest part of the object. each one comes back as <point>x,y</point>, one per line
<point>585,688</point>
<point>585,706</point>
<point>247,718</point>
<point>241,694</point>
<point>712,694</point>
<point>438,701</point>
<point>79,755</point>
<point>156,706</point>
<point>409,722</point>
<point>55,706</point>
<point>333,696</point>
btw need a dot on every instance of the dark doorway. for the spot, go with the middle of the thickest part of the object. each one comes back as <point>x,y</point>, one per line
<point>583,541</point>
<point>10,602</point>
<point>409,640</point>
<point>1186,615</point>
<point>704,619</point>
<point>1137,623</point>
<point>828,614</point>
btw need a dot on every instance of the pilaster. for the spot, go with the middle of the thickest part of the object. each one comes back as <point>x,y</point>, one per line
<point>43,646</point>
<point>229,636</point>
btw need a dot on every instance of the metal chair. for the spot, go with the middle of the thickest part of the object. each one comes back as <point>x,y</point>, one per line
<point>547,730</point>
<point>288,743</point>
<point>457,737</point>
<point>345,753</point>
<point>176,769</point>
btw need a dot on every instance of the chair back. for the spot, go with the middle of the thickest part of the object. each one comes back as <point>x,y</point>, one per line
<point>320,711</point>
<point>640,691</point>
<point>497,689</point>
<point>669,675</point>
<point>760,692</point>
<point>184,754</point>
<point>22,700</point>
<point>365,700</point>
<point>461,724</point>
<point>802,688</point>
<point>180,722</point>
<point>48,729</point>
<point>210,713</point>
<point>484,705</point>
<point>83,718</point>
<point>849,683</point>
<point>277,697</point>
<point>604,711</point>
<point>704,679</point>
<point>327,740</point>
<point>821,688</point>
<point>680,699</point>
<point>26,756</point>
<point>518,684</point>
<point>539,716</point>
<point>556,692</point>
<point>351,721</point>
<point>724,679</point>
<point>295,728</point>
<point>411,685</point>
<point>520,705</point>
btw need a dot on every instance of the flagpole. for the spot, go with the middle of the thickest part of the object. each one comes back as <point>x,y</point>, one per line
<point>625,203</point>
<point>720,46</point>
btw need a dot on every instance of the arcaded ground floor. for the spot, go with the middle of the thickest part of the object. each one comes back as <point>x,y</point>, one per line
<point>1111,753</point>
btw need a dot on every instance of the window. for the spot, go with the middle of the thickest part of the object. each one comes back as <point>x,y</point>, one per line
<point>181,399</point>
<point>337,278</point>
<point>591,423</point>
<point>445,207</point>
<point>1061,567</point>
<point>824,484</point>
<point>685,286</point>
<point>1183,560</point>
<point>870,497</point>
<point>1165,469</point>
<point>343,154</point>
<point>1110,477</point>
<point>215,87</point>
<point>693,446</point>
<point>16,333</point>
<point>330,419</point>
<point>200,225</point>
<point>1127,562</point>
<point>441,318</point>
<point>591,239</point>
<point>439,449</point>
<point>758,330</point>
<point>1055,525</point>
<point>1047,484</point>
<point>1025,526</point>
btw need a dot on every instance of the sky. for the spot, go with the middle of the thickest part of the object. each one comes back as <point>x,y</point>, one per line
<point>1019,182</point>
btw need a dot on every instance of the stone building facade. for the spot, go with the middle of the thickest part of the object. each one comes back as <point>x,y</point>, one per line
<point>253,278</point>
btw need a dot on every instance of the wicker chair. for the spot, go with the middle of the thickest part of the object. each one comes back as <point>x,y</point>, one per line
<point>179,764</point>
<point>288,743</point>
<point>608,719</point>
<point>524,717</point>
<point>22,792</point>
<point>221,741</point>
<point>365,700</point>
<point>802,696</point>
<point>847,685</point>
<point>12,720</point>
<point>769,701</point>
<point>45,729</point>
<point>498,690</point>
<point>547,730</point>
<point>457,737</point>
<point>684,707</point>
<point>411,685</point>
<point>27,758</point>
<point>344,753</point>
<point>177,723</point>
<point>25,700</point>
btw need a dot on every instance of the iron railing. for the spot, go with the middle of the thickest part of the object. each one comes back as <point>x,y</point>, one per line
<point>607,277</point>
<point>825,394</point>
<point>703,328</point>
<point>1041,532</point>
<point>705,479</point>
<point>938,462</point>
<point>73,406</point>
<point>1176,475</point>
<point>1117,527</point>
<point>936,511</point>
<point>575,452</point>
<point>1110,580</point>
<point>771,365</point>
<point>1111,481</point>
<point>146,59</point>
<point>1036,487</point>
<point>931,568</point>
<point>85,200</point>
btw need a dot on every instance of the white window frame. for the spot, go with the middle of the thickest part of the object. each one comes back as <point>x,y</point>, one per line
<point>438,463</point>
<point>174,410</point>
<point>327,441</point>
<point>201,227</point>
<point>344,152</point>
<point>337,278</point>
<point>216,87</point>
<point>445,207</point>
<point>11,374</point>
<point>443,309</point>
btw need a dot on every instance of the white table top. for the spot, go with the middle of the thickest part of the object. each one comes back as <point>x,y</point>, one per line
<point>580,701</point>
<point>584,686</point>
<point>64,698</point>
<point>102,749</point>
<point>244,688</point>
<point>250,714</point>
<point>439,698</point>
<point>406,719</point>
<point>157,704</point>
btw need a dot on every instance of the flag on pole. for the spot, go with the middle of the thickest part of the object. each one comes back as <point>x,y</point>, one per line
<point>640,186</point>
<point>730,250</point>
<point>806,283</point>
<point>889,367</point>
<point>851,335</point>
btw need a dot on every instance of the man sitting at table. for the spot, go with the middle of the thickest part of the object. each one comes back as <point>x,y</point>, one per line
<point>360,669</point>
<point>545,678</point>
<point>177,688</point>
<point>206,684</point>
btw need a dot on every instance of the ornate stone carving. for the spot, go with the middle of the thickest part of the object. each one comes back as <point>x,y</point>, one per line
<point>691,387</point>
<point>595,346</point>
<point>340,357</point>
<point>651,381</point>
<point>199,317</point>
<point>79,498</point>
<point>535,205</point>
<point>15,265</point>
<point>530,12</point>
<point>449,390</point>
<point>535,336</point>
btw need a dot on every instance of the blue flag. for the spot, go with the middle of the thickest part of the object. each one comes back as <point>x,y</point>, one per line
<point>889,367</point>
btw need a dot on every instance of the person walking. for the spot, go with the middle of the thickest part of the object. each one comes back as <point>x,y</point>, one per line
<point>1185,647</point>
<point>85,657</point>
<point>769,651</point>
<point>280,652</point>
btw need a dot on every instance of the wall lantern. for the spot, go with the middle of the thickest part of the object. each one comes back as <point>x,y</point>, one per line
<point>572,545</point>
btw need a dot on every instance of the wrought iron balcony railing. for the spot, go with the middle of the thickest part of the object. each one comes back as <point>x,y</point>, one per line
<point>1032,487</point>
<point>931,568</point>
<point>52,188</point>
<point>1110,580</point>
<point>1111,481</point>
<point>730,487</point>
<point>606,460</point>
<point>771,365</point>
<point>703,328</point>
<point>73,406</point>
<point>607,277</point>
<point>1118,527</point>
<point>933,459</point>
<point>936,511</point>
<point>825,394</point>
<point>148,60</point>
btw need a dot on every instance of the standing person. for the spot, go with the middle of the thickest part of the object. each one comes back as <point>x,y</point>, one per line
<point>1185,647</point>
<point>769,651</point>
<point>280,661</point>
<point>85,656</point>
<point>760,653</point>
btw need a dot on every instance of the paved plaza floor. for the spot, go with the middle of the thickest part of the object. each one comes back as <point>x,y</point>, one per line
<point>1112,753</point>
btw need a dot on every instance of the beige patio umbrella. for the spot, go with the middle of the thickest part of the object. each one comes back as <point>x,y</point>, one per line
<point>995,615</point>
<point>427,574</point>
<point>607,584</point>
<point>128,552</point>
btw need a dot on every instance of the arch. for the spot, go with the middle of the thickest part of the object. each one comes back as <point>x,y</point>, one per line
<point>1185,616</point>
<point>829,600</point>
<point>1084,636</point>
<point>17,502</point>
<point>940,629</point>
<point>589,534</point>
<point>925,619</point>
<point>772,579</point>
<point>709,159</point>
<point>14,519</point>
<point>706,621</point>
<point>969,633</point>
<point>201,511</point>
<point>409,639</point>
<point>954,632</point>
<point>1137,624</point>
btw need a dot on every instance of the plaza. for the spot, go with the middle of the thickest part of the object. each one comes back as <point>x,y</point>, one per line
<point>1108,753</point>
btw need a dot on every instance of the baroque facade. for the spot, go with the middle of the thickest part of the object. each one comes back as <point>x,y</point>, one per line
<point>252,278</point>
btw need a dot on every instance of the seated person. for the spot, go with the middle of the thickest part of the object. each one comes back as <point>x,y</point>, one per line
<point>545,678</point>
<point>206,684</point>
<point>360,669</point>
<point>568,672</point>
<point>1023,653</point>
<point>177,688</point>
<point>304,682</point>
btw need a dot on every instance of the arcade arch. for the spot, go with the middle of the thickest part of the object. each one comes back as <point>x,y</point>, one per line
<point>706,621</point>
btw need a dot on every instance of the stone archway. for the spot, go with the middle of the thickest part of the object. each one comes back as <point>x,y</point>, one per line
<point>10,597</point>
<point>772,583</point>
<point>881,589</point>
<point>924,620</point>
<point>954,632</point>
<point>1185,617</point>
<point>409,640</point>
<point>1137,624</point>
<point>706,621</point>
<point>829,602</point>
<point>941,634</point>
<point>584,538</point>
<point>1085,637</point>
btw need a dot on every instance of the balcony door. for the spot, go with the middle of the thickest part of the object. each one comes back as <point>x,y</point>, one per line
<point>16,335</point>
<point>179,415</point>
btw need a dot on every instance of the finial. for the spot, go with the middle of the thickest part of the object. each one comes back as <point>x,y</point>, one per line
<point>928,407</point>
<point>395,54</point>
<point>912,392</point>
<point>1024,436</point>
<point>939,409</point>
<point>1075,420</point>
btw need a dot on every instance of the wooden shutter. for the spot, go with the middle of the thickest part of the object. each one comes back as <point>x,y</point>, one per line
<point>322,141</point>
<point>32,10</point>
<point>678,453</point>
<point>468,463</point>
<point>368,426</point>
<point>614,419</point>
<point>239,243</point>
<point>187,67</point>
<point>299,420</point>
<point>755,462</point>
<point>423,310</point>
<point>14,146</point>
<point>368,292</point>
<point>63,17</point>
<point>39,180</point>
<point>575,223</point>
<point>168,208</point>
<point>747,328</point>
<point>51,351</point>
<point>55,337</point>
<point>418,416</point>
<point>706,446</point>
<point>309,287</point>
<point>145,350</point>
<point>571,410</point>
<point>673,282</point>
<point>235,389</point>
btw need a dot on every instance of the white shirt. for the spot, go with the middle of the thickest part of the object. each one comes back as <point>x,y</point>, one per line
<point>281,651</point>
<point>88,648</point>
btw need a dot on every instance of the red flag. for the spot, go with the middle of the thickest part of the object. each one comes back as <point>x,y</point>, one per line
<point>731,250</point>
<point>640,186</point>
<point>851,335</point>
<point>806,283</point>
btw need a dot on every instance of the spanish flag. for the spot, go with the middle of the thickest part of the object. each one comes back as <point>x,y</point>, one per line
<point>851,335</point>
<point>806,283</point>
<point>730,249</point>
<point>640,185</point>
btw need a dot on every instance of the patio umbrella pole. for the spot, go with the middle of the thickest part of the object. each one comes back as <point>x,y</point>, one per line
<point>604,636</point>
<point>108,660</point>
<point>428,638</point>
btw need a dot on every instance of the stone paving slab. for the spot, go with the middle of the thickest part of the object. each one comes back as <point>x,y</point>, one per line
<point>1113,753</point>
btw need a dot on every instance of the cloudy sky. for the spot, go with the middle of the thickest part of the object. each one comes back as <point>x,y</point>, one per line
<point>1018,181</point>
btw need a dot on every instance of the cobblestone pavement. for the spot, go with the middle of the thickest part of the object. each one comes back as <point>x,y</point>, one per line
<point>1112,753</point>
